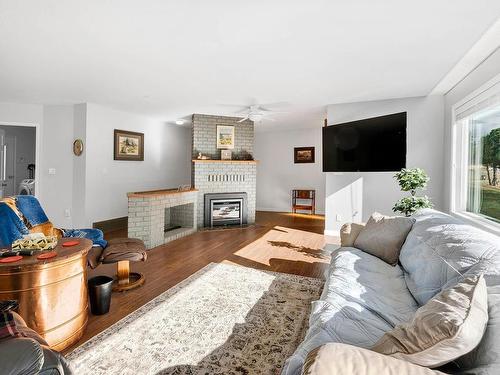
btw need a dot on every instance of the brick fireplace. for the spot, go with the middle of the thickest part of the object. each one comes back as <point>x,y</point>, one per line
<point>161,216</point>
<point>217,176</point>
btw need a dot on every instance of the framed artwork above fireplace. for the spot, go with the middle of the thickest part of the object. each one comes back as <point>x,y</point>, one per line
<point>225,137</point>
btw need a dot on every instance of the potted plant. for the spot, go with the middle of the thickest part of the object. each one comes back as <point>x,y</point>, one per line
<point>411,180</point>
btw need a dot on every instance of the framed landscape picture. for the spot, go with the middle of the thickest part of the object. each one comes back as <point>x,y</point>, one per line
<point>303,155</point>
<point>128,145</point>
<point>225,136</point>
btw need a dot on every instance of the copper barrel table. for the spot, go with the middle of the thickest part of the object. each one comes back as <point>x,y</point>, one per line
<point>52,293</point>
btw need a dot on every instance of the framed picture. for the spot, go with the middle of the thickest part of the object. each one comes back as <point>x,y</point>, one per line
<point>303,155</point>
<point>129,145</point>
<point>225,154</point>
<point>225,136</point>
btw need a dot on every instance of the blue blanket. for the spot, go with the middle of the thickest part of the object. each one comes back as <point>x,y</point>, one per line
<point>31,209</point>
<point>11,226</point>
<point>95,235</point>
<point>18,221</point>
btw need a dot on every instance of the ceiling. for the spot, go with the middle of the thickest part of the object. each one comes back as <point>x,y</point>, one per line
<point>168,59</point>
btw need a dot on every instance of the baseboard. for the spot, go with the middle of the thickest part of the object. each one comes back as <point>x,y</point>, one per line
<point>330,232</point>
<point>112,224</point>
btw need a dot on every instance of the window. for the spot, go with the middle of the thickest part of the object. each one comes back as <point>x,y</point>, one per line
<point>476,154</point>
<point>483,167</point>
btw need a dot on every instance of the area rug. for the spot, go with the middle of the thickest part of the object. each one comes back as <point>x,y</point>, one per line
<point>224,319</point>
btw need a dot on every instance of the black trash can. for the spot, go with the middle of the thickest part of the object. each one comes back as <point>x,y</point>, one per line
<point>100,288</point>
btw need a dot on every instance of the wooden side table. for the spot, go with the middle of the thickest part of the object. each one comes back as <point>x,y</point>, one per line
<point>302,194</point>
<point>52,293</point>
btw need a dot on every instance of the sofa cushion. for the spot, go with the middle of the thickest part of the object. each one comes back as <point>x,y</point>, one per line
<point>383,236</point>
<point>352,308</point>
<point>485,358</point>
<point>334,358</point>
<point>439,249</point>
<point>450,325</point>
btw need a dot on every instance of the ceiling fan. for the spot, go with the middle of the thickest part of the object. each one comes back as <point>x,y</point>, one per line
<point>257,112</point>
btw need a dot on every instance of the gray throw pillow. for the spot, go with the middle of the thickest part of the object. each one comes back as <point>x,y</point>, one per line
<point>383,236</point>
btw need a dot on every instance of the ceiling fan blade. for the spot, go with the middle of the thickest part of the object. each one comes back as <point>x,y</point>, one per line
<point>237,108</point>
<point>267,106</point>
<point>243,119</point>
<point>232,105</point>
<point>267,111</point>
<point>241,110</point>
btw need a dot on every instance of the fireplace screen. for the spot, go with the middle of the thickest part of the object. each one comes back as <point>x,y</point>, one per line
<point>225,209</point>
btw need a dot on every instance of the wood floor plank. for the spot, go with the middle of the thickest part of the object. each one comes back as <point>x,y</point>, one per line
<point>280,242</point>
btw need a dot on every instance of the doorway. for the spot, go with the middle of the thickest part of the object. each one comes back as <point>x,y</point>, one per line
<point>17,160</point>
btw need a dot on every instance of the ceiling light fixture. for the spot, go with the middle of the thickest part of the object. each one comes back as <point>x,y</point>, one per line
<point>179,122</point>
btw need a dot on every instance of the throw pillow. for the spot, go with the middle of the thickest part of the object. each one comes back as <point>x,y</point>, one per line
<point>383,236</point>
<point>448,326</point>
<point>349,232</point>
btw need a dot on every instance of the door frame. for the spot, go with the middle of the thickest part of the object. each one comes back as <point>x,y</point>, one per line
<point>37,150</point>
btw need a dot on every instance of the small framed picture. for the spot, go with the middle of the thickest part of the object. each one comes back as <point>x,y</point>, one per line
<point>128,145</point>
<point>225,137</point>
<point>225,154</point>
<point>303,155</point>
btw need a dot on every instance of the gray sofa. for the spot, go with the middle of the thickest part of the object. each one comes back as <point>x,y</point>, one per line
<point>364,297</point>
<point>30,354</point>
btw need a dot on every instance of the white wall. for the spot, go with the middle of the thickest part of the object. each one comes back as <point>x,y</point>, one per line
<point>167,161</point>
<point>479,76</point>
<point>355,196</point>
<point>79,167</point>
<point>277,174</point>
<point>57,154</point>
<point>94,186</point>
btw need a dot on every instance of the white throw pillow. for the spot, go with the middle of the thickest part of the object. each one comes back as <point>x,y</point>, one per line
<point>448,326</point>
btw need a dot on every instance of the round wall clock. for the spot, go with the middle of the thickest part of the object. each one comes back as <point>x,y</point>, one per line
<point>77,147</point>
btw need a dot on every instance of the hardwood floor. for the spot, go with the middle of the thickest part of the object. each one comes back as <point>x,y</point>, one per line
<point>281,242</point>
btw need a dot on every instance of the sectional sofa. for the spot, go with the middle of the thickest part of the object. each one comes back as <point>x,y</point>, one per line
<point>364,297</point>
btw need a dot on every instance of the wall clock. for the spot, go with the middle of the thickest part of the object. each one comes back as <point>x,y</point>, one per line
<point>77,147</point>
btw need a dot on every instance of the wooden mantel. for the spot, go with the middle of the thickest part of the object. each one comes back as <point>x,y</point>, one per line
<point>225,161</point>
<point>158,193</point>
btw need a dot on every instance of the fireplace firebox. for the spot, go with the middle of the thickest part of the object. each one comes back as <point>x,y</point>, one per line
<point>223,209</point>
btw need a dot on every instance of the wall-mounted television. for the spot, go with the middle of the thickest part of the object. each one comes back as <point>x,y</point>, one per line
<point>372,145</point>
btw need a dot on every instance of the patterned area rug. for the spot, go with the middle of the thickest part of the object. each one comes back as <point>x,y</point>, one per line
<point>224,319</point>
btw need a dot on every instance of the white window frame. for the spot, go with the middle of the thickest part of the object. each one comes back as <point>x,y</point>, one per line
<point>460,156</point>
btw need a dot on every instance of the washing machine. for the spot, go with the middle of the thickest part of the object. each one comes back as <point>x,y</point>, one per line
<point>27,187</point>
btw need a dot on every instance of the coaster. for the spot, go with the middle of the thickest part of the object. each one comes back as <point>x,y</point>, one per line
<point>11,259</point>
<point>49,255</point>
<point>70,243</point>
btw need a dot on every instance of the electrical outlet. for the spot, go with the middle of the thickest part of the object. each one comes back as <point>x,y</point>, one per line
<point>338,217</point>
<point>67,212</point>
<point>52,171</point>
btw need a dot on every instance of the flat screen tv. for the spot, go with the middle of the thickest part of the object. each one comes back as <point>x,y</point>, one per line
<point>373,145</point>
